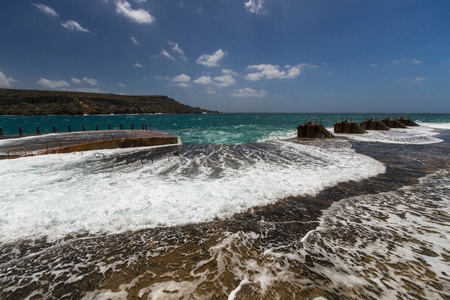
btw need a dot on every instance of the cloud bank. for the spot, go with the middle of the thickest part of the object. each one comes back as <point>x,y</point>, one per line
<point>248,92</point>
<point>53,84</point>
<point>182,80</point>
<point>268,71</point>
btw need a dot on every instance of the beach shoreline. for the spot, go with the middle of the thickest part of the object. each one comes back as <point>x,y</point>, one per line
<point>207,259</point>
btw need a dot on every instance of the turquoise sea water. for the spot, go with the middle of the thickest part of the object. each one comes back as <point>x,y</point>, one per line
<point>195,129</point>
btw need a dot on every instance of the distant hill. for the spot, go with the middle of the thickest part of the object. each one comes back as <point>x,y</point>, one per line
<point>33,102</point>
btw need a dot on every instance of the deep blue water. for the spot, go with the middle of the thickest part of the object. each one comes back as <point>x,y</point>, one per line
<point>197,128</point>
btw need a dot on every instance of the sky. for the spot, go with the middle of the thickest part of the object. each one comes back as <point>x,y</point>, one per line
<point>236,55</point>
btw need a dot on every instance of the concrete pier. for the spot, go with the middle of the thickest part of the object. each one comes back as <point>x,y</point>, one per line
<point>348,127</point>
<point>83,141</point>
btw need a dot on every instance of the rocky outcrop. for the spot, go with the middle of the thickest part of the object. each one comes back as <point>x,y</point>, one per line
<point>31,102</point>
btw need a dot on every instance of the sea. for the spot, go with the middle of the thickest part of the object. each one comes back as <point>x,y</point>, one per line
<point>240,209</point>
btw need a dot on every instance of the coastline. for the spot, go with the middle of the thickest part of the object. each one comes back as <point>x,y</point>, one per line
<point>202,258</point>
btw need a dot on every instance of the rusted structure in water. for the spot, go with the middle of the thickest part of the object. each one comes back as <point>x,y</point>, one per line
<point>348,127</point>
<point>407,121</point>
<point>313,129</point>
<point>393,123</point>
<point>374,124</point>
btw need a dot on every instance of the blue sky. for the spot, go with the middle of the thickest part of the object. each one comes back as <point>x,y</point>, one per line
<point>236,55</point>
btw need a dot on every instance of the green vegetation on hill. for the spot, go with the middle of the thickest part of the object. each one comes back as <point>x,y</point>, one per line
<point>33,102</point>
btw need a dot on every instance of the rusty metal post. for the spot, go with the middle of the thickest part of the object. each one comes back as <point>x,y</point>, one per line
<point>109,126</point>
<point>1,131</point>
<point>37,130</point>
<point>121,127</point>
<point>143,127</point>
<point>20,130</point>
<point>68,128</point>
<point>146,127</point>
<point>54,128</point>
<point>132,127</point>
<point>96,127</point>
<point>83,128</point>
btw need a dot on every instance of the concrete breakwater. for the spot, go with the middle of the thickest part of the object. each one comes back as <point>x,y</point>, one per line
<point>82,141</point>
<point>312,128</point>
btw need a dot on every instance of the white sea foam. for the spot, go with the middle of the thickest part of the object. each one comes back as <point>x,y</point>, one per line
<point>435,125</point>
<point>54,195</point>
<point>411,135</point>
<point>395,237</point>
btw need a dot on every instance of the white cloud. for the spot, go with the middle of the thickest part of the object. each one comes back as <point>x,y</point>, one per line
<point>76,80</point>
<point>177,49</point>
<point>91,81</point>
<point>53,84</point>
<point>224,81</point>
<point>121,84</point>
<point>218,81</point>
<point>248,92</point>
<point>140,16</point>
<point>138,65</point>
<point>211,60</point>
<point>140,1</point>
<point>167,55</point>
<point>267,71</point>
<point>210,90</point>
<point>415,61</point>
<point>405,79</point>
<point>183,84</point>
<point>397,61</point>
<point>46,9</point>
<point>4,81</point>
<point>73,25</point>
<point>229,72</point>
<point>204,80</point>
<point>401,80</point>
<point>134,40</point>
<point>182,80</point>
<point>255,6</point>
<point>374,66</point>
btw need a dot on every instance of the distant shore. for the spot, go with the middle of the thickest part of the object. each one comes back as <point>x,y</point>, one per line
<point>34,102</point>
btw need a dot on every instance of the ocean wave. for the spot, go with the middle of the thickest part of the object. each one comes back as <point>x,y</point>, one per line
<point>55,195</point>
